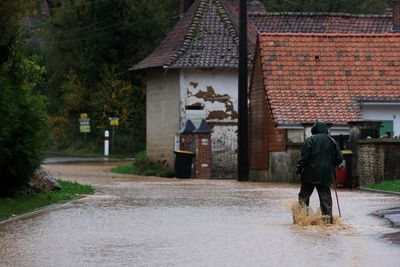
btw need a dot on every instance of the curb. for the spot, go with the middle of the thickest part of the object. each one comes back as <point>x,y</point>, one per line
<point>379,191</point>
<point>32,213</point>
<point>77,160</point>
<point>39,211</point>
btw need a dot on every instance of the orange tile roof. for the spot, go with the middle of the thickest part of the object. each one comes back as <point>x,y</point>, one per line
<point>322,76</point>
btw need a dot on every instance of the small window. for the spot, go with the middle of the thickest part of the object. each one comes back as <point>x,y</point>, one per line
<point>196,106</point>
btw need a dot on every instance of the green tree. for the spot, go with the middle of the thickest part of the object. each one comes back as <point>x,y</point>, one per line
<point>22,127</point>
<point>89,47</point>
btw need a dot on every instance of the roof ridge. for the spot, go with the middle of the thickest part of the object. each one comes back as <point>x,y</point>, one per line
<point>191,33</point>
<point>394,34</point>
<point>340,14</point>
<point>221,12</point>
<point>195,24</point>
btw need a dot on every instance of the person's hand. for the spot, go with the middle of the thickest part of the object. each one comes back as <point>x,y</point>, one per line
<point>298,177</point>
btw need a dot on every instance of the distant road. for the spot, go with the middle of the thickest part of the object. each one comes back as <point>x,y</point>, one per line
<point>74,159</point>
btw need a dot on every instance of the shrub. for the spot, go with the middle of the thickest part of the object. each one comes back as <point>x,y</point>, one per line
<point>22,133</point>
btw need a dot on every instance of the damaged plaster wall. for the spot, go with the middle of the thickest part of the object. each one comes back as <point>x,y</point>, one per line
<point>215,91</point>
<point>213,95</point>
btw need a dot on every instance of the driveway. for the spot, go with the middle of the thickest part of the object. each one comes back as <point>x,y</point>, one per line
<point>150,221</point>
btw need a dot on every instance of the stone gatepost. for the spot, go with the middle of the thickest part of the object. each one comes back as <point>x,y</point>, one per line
<point>202,159</point>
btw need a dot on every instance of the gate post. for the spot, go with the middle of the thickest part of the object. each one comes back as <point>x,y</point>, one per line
<point>186,140</point>
<point>203,159</point>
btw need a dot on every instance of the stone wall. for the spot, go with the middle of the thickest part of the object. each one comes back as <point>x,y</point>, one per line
<point>283,164</point>
<point>378,160</point>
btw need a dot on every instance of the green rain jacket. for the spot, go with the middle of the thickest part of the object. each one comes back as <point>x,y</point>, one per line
<point>320,155</point>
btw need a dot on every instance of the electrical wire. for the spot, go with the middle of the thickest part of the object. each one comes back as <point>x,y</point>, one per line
<point>93,30</point>
<point>89,38</point>
<point>89,2</point>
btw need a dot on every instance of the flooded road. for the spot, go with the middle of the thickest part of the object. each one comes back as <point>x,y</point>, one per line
<point>149,221</point>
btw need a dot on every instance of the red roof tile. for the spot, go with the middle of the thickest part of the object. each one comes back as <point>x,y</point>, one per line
<point>321,76</point>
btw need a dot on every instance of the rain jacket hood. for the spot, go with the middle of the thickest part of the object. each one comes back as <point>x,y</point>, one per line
<point>319,127</point>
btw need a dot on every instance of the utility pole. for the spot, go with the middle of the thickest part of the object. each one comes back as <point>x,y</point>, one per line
<point>243,124</point>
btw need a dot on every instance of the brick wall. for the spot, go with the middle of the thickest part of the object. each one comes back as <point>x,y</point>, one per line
<point>187,142</point>
<point>203,160</point>
<point>258,138</point>
<point>378,160</point>
<point>162,114</point>
<point>277,138</point>
<point>200,145</point>
<point>264,136</point>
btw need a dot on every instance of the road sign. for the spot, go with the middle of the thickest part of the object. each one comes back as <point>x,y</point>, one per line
<point>114,121</point>
<point>84,122</point>
<point>84,128</point>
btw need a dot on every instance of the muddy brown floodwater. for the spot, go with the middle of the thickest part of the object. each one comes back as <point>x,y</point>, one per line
<point>148,221</point>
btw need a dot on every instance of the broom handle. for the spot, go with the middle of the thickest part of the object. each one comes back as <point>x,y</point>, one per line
<point>337,199</point>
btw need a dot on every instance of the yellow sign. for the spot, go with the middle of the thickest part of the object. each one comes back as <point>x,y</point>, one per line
<point>84,128</point>
<point>114,121</point>
<point>84,122</point>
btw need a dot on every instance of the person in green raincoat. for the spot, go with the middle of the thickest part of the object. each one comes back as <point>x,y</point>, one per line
<point>320,155</point>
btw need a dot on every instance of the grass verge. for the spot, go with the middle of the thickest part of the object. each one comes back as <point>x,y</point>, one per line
<point>124,169</point>
<point>142,166</point>
<point>392,186</point>
<point>25,202</point>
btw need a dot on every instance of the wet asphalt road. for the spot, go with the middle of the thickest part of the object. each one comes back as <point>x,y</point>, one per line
<point>149,221</point>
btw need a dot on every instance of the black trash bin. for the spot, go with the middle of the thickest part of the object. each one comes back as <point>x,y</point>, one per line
<point>348,163</point>
<point>183,163</point>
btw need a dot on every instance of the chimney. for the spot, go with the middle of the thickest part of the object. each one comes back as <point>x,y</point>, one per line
<point>396,15</point>
<point>184,6</point>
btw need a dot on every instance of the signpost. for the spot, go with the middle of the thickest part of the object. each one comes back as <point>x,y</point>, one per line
<point>106,143</point>
<point>114,121</point>
<point>84,126</point>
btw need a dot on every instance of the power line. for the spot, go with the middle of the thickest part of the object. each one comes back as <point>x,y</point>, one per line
<point>95,30</point>
<point>93,24</point>
<point>82,4</point>
<point>88,38</point>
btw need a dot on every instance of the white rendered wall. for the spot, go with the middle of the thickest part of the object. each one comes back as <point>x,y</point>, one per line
<point>383,113</point>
